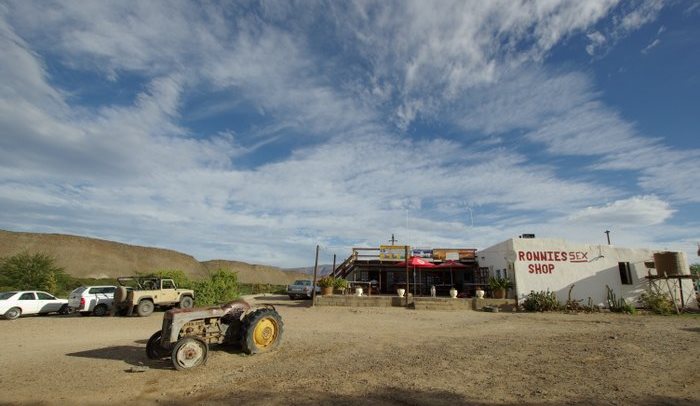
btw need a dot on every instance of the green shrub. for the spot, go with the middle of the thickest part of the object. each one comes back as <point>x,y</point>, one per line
<point>36,271</point>
<point>180,278</point>
<point>500,283</point>
<point>619,305</point>
<point>542,301</point>
<point>221,287</point>
<point>326,282</point>
<point>340,283</point>
<point>657,302</point>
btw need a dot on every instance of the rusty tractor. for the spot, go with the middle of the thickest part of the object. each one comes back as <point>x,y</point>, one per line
<point>187,333</point>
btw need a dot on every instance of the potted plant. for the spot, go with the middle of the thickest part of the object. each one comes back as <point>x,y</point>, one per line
<point>499,287</point>
<point>340,284</point>
<point>326,284</point>
<point>479,292</point>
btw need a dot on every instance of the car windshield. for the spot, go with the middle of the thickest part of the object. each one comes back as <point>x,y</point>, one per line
<point>6,295</point>
<point>303,282</point>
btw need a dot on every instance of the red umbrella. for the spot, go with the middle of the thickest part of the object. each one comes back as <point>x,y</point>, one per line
<point>416,262</point>
<point>451,264</point>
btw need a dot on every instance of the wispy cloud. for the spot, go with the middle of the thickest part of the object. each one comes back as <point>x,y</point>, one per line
<point>360,160</point>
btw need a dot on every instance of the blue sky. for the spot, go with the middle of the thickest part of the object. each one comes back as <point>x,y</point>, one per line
<point>256,130</point>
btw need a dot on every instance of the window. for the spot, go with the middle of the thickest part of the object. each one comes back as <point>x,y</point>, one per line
<point>27,296</point>
<point>625,273</point>
<point>45,296</point>
<point>167,284</point>
<point>109,289</point>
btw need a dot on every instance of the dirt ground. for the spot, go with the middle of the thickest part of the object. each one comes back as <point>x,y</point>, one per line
<point>367,355</point>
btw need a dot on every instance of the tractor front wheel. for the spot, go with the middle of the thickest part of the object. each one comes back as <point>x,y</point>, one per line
<point>189,352</point>
<point>261,331</point>
<point>153,348</point>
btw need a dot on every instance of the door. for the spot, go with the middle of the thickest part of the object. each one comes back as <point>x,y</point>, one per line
<point>28,303</point>
<point>47,303</point>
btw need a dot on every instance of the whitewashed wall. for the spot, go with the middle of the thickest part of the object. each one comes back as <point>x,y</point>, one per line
<point>589,267</point>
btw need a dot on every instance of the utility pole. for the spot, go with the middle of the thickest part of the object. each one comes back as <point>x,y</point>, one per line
<point>408,289</point>
<point>393,240</point>
<point>607,233</point>
<point>313,287</point>
<point>333,264</point>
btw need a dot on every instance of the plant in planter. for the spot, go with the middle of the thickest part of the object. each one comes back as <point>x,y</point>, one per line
<point>340,284</point>
<point>326,284</point>
<point>499,287</point>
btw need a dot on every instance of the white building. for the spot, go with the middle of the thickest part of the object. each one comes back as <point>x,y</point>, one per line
<point>540,264</point>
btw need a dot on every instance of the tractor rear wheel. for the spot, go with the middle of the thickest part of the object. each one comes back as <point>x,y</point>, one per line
<point>189,352</point>
<point>261,331</point>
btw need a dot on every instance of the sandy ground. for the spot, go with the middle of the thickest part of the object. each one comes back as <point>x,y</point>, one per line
<point>370,356</point>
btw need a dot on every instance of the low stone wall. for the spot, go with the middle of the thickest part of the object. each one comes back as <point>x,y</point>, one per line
<point>418,303</point>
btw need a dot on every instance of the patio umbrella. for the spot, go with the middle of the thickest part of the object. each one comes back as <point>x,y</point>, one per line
<point>416,262</point>
<point>451,264</point>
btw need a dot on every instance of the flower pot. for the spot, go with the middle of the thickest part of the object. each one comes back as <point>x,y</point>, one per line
<point>400,292</point>
<point>453,293</point>
<point>480,293</point>
<point>499,293</point>
<point>327,291</point>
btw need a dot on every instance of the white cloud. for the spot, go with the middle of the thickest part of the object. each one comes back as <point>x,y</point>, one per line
<point>635,211</point>
<point>649,47</point>
<point>134,172</point>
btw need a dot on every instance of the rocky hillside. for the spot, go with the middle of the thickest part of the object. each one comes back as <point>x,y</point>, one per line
<point>84,257</point>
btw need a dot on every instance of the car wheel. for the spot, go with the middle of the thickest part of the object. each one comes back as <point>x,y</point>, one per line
<point>261,331</point>
<point>100,310</point>
<point>153,348</point>
<point>189,352</point>
<point>64,309</point>
<point>145,308</point>
<point>186,302</point>
<point>13,313</point>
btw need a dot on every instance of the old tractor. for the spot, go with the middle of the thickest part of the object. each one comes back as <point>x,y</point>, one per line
<point>187,333</point>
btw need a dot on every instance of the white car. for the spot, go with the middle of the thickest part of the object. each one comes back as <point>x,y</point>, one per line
<point>15,304</point>
<point>87,300</point>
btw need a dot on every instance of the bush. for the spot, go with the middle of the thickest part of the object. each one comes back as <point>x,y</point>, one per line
<point>541,302</point>
<point>221,287</point>
<point>180,278</point>
<point>38,271</point>
<point>326,282</point>
<point>657,302</point>
<point>500,283</point>
<point>340,283</point>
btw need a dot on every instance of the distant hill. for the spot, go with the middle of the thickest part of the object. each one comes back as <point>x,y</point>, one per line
<point>309,270</point>
<point>84,257</point>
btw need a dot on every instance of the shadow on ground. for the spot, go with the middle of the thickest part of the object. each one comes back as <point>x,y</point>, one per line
<point>399,396</point>
<point>136,355</point>
<point>131,354</point>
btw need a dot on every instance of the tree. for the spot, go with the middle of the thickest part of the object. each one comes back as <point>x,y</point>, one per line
<point>221,287</point>
<point>24,271</point>
<point>695,269</point>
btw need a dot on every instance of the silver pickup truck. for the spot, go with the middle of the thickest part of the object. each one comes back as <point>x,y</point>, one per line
<point>301,289</point>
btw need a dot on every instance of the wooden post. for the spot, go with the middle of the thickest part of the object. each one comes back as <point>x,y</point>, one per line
<point>333,264</point>
<point>406,260</point>
<point>313,287</point>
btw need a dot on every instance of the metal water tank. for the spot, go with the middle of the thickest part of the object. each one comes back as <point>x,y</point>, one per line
<point>668,263</point>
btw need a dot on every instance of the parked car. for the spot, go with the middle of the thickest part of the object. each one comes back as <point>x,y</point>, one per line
<point>301,289</point>
<point>15,304</point>
<point>96,300</point>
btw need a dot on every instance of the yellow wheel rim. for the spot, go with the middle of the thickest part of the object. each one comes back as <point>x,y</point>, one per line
<point>265,333</point>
